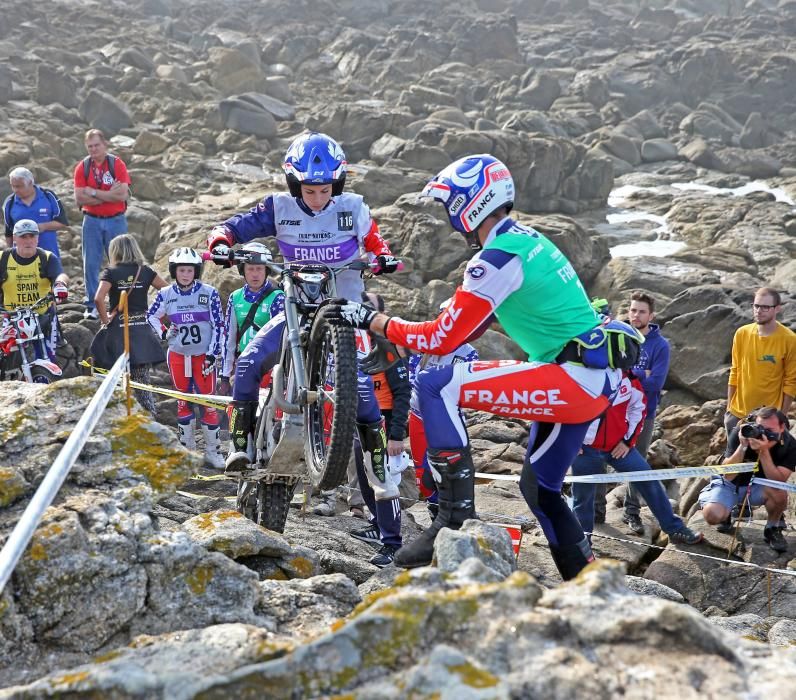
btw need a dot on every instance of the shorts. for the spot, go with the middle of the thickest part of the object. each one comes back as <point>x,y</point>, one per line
<point>719,490</point>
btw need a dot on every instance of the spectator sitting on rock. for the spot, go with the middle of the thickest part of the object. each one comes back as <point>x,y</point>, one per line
<point>611,438</point>
<point>763,371</point>
<point>101,191</point>
<point>774,449</point>
<point>29,201</point>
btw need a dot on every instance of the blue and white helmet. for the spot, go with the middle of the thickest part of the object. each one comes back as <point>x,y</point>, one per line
<point>471,189</point>
<point>314,159</point>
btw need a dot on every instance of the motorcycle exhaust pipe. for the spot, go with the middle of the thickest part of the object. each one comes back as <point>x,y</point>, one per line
<point>278,387</point>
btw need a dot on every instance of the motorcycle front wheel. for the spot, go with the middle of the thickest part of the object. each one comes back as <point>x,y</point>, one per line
<point>41,375</point>
<point>330,421</point>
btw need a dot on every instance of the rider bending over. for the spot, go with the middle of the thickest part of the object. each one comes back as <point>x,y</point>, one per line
<point>524,280</point>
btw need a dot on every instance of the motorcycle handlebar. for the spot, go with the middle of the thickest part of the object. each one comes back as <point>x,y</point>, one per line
<point>242,256</point>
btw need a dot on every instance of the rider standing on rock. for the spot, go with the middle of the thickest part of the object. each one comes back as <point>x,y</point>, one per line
<point>315,222</point>
<point>521,278</point>
<point>195,329</point>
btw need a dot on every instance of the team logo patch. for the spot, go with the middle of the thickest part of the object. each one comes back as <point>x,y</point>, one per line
<point>204,299</point>
<point>345,221</point>
<point>457,204</point>
<point>476,271</point>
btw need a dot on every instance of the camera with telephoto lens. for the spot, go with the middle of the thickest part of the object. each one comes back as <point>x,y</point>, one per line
<point>757,432</point>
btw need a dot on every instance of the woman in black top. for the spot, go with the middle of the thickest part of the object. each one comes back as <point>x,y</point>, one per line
<point>128,272</point>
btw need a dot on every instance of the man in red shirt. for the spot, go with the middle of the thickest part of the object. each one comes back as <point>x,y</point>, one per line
<point>101,191</point>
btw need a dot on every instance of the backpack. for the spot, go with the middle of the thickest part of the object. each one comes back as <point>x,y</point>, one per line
<point>111,161</point>
<point>43,257</point>
<point>9,201</point>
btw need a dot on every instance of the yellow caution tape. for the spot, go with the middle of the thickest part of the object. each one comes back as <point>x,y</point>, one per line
<point>209,400</point>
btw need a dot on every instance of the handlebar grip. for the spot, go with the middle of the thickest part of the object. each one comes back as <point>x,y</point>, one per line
<point>207,255</point>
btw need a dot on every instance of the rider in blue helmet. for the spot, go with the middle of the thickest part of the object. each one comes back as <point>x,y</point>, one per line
<point>316,222</point>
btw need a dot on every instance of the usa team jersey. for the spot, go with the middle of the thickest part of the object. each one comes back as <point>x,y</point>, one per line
<point>196,315</point>
<point>333,236</point>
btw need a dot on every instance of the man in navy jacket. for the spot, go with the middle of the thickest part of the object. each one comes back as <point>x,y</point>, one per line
<point>651,370</point>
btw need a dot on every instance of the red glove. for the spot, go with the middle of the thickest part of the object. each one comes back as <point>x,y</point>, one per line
<point>60,292</point>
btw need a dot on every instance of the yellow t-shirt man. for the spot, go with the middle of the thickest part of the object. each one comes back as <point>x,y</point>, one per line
<point>763,368</point>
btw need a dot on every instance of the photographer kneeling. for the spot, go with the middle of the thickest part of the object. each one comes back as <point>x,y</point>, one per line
<point>763,437</point>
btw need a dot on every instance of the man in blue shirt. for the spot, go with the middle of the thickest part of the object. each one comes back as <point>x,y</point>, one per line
<point>29,201</point>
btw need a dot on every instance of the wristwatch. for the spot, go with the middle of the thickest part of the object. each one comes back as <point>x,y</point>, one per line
<point>94,193</point>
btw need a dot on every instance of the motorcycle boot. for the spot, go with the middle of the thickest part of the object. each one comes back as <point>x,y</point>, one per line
<point>213,456</point>
<point>571,559</point>
<point>185,434</point>
<point>242,419</point>
<point>455,476</point>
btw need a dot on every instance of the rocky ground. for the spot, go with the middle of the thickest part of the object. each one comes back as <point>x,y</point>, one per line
<point>607,114</point>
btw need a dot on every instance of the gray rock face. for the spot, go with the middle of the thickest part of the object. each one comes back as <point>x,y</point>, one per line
<point>53,85</point>
<point>105,112</point>
<point>247,116</point>
<point>429,633</point>
<point>488,544</point>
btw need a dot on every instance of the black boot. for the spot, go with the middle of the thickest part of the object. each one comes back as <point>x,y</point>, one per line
<point>241,424</point>
<point>572,559</point>
<point>456,503</point>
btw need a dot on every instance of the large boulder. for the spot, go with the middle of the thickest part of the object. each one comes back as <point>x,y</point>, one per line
<point>53,85</point>
<point>105,112</point>
<point>247,116</point>
<point>701,343</point>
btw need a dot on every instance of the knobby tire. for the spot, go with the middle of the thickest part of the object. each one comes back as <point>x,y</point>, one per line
<point>329,442</point>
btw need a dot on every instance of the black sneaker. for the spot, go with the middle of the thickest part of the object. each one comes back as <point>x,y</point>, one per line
<point>369,534</point>
<point>385,556</point>
<point>634,523</point>
<point>775,539</point>
<point>725,527</point>
<point>685,535</point>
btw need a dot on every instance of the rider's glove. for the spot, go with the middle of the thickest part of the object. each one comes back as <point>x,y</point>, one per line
<point>343,312</point>
<point>60,291</point>
<point>383,356</point>
<point>170,332</point>
<point>209,365</point>
<point>387,264</point>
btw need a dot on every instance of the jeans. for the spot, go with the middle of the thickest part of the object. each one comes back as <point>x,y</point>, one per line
<point>593,461</point>
<point>97,235</point>
<point>632,503</point>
